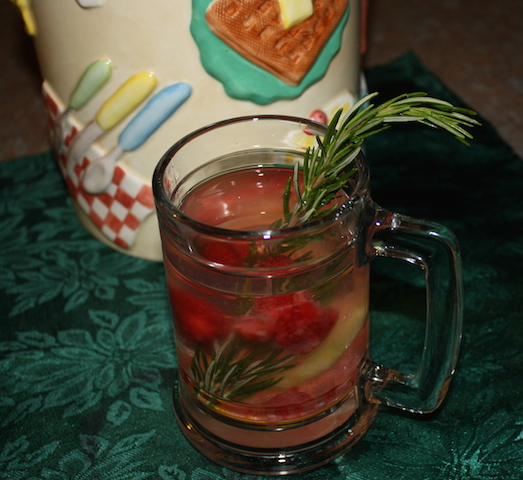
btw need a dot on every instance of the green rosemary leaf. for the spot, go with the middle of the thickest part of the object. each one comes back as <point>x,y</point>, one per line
<point>286,199</point>
<point>228,372</point>
<point>195,368</point>
<point>402,119</point>
<point>419,97</point>
<point>296,180</point>
<point>250,390</point>
<point>226,378</point>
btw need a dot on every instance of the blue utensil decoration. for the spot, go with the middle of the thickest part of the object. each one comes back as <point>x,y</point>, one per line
<point>98,175</point>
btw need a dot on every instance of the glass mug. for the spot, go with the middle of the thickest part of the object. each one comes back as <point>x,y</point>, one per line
<point>272,325</point>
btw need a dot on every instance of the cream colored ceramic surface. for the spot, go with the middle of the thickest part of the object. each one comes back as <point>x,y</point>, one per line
<point>153,36</point>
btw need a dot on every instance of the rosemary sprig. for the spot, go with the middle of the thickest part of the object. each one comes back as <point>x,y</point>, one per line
<point>325,169</point>
<point>230,374</point>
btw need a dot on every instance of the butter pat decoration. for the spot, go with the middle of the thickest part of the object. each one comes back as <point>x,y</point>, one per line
<point>295,11</point>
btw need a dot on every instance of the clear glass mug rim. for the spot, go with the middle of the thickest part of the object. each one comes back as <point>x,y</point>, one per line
<point>164,203</point>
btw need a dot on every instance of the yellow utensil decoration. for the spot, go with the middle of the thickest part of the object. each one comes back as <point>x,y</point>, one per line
<point>120,104</point>
<point>133,92</point>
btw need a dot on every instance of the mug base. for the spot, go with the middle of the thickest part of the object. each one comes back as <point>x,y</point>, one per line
<point>249,448</point>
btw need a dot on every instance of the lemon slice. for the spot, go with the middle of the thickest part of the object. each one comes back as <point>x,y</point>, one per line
<point>326,354</point>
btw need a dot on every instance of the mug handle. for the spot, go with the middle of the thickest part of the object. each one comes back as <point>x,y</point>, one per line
<point>435,250</point>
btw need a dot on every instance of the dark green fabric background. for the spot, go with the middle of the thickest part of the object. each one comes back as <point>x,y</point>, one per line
<point>86,352</point>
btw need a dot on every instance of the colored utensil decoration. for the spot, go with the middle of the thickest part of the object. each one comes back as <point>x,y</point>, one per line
<point>158,109</point>
<point>90,3</point>
<point>91,81</point>
<point>94,77</point>
<point>120,104</point>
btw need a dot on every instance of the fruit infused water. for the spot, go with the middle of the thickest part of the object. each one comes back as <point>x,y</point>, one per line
<point>268,230</point>
<point>275,332</point>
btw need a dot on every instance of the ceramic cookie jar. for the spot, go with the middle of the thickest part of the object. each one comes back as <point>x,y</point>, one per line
<point>124,79</point>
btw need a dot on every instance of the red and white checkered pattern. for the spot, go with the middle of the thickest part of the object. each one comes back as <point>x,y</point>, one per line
<point>119,211</point>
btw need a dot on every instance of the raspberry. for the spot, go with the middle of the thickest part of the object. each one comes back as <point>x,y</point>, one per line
<point>198,319</point>
<point>259,328</point>
<point>224,253</point>
<point>294,321</point>
<point>301,327</point>
<point>271,305</point>
<point>276,261</point>
<point>259,323</point>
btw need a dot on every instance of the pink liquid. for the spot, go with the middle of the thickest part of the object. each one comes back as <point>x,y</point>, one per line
<point>244,200</point>
<point>277,349</point>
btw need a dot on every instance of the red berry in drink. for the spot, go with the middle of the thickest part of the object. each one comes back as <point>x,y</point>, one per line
<point>301,327</point>
<point>259,328</point>
<point>197,318</point>
<point>224,253</point>
<point>293,321</point>
<point>276,261</point>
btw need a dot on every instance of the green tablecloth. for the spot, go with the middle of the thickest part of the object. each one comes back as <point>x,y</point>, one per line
<point>86,353</point>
